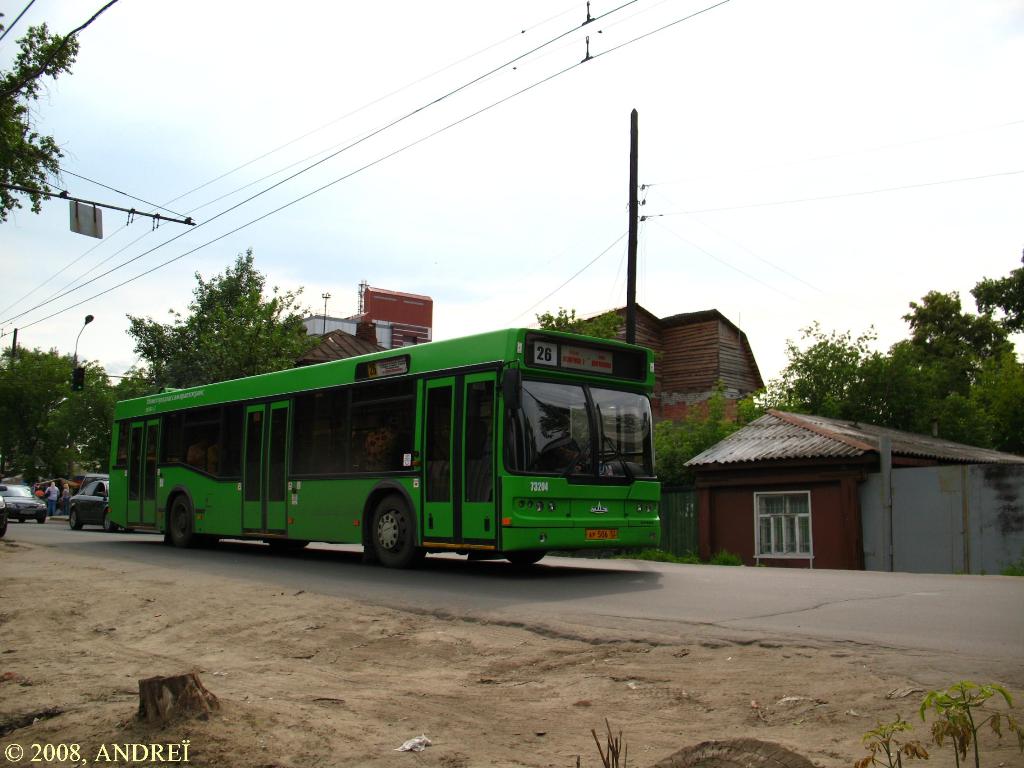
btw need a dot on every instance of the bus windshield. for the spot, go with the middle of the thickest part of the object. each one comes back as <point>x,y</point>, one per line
<point>555,432</point>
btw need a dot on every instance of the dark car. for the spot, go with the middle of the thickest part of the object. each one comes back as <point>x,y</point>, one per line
<point>3,517</point>
<point>90,506</point>
<point>22,504</point>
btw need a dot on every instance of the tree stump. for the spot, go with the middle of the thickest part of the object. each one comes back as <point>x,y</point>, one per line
<point>735,753</point>
<point>163,698</point>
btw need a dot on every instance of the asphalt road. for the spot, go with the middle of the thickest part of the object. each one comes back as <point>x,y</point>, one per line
<point>954,625</point>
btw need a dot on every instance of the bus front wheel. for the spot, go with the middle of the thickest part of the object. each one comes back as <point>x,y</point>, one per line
<point>394,533</point>
<point>180,528</point>
<point>523,558</point>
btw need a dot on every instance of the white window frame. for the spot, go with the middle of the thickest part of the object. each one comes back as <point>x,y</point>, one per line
<point>809,554</point>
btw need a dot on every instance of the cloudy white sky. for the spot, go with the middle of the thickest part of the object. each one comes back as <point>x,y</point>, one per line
<point>744,111</point>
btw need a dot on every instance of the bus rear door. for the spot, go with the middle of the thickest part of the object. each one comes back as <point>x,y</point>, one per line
<point>143,444</point>
<point>264,477</point>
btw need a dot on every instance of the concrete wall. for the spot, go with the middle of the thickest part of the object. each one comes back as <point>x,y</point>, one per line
<point>956,519</point>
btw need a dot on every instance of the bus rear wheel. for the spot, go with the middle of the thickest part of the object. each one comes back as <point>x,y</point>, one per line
<point>180,523</point>
<point>394,533</point>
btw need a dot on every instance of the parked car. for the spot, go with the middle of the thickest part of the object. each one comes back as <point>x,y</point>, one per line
<point>3,517</point>
<point>90,506</point>
<point>21,504</point>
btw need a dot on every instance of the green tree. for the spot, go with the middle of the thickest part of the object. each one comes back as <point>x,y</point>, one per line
<point>676,442</point>
<point>28,158</point>
<point>45,428</point>
<point>822,376</point>
<point>233,329</point>
<point>604,326</point>
<point>1004,294</point>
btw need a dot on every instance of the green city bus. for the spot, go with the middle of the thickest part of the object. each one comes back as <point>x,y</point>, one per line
<point>506,444</point>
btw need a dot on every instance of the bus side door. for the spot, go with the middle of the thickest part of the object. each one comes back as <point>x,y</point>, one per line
<point>143,445</point>
<point>264,477</point>
<point>458,435</point>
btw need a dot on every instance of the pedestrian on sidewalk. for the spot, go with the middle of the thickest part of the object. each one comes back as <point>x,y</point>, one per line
<point>52,494</point>
<point>65,498</point>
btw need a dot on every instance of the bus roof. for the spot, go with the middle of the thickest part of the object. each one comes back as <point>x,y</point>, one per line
<point>494,347</point>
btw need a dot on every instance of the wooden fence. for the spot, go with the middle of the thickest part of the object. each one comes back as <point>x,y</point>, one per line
<point>678,520</point>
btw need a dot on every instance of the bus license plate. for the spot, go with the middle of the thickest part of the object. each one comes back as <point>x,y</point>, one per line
<point>601,534</point>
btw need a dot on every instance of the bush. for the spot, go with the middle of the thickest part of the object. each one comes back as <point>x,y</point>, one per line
<point>661,556</point>
<point>725,557</point>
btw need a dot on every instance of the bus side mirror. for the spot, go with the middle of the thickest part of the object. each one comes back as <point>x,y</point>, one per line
<point>511,387</point>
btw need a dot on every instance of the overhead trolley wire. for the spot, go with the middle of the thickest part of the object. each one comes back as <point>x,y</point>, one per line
<point>362,168</point>
<point>256,159</point>
<point>10,26</point>
<point>370,135</point>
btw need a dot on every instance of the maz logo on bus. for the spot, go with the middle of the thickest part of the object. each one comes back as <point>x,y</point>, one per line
<point>539,487</point>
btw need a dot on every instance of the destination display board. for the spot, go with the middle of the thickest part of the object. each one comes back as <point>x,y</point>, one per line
<point>547,352</point>
<point>379,369</point>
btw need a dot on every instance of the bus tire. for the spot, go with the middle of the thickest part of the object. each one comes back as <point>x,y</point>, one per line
<point>179,528</point>
<point>394,533</point>
<point>524,557</point>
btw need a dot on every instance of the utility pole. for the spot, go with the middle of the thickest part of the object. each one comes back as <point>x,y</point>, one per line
<point>325,297</point>
<point>634,218</point>
<point>14,344</point>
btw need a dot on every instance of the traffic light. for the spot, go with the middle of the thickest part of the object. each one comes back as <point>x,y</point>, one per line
<point>78,379</point>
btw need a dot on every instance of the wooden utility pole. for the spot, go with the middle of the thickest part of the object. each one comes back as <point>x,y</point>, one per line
<point>634,218</point>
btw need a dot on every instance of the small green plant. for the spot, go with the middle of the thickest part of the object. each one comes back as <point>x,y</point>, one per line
<point>1014,569</point>
<point>887,749</point>
<point>660,556</point>
<point>725,557</point>
<point>961,713</point>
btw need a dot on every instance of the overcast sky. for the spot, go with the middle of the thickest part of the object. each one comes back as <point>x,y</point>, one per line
<point>747,112</point>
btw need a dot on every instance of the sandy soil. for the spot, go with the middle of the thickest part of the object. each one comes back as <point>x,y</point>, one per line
<point>307,680</point>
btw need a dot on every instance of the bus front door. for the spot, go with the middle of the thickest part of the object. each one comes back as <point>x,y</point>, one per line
<point>458,436</point>
<point>264,476</point>
<point>143,443</point>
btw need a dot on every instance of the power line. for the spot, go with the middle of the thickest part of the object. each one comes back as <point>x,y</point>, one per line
<point>848,153</point>
<point>383,98</point>
<point>281,208</point>
<point>577,274</point>
<point>350,146</point>
<point>358,170</point>
<point>256,159</point>
<point>16,20</point>
<point>837,196</point>
<point>741,246</point>
<point>723,261</point>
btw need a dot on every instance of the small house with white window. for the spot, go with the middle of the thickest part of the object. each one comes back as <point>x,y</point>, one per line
<point>803,491</point>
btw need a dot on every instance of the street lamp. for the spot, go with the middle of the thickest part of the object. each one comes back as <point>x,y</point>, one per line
<point>88,319</point>
<point>325,297</point>
<point>78,374</point>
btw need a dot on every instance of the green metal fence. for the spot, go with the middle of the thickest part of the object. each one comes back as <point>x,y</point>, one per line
<point>678,520</point>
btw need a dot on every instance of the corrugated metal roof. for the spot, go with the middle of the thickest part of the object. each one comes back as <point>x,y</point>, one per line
<point>337,345</point>
<point>780,435</point>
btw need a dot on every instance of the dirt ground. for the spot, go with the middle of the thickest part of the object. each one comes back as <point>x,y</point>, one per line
<point>307,680</point>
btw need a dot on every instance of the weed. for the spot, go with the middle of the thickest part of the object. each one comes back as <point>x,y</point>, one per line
<point>961,713</point>
<point>614,746</point>
<point>725,557</point>
<point>888,750</point>
<point>661,556</point>
<point>1014,569</point>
